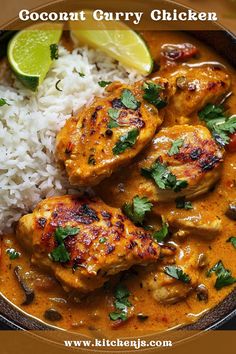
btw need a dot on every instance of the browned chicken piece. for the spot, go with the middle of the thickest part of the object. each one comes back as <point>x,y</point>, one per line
<point>182,160</point>
<point>108,133</point>
<point>82,241</point>
<point>199,223</point>
<point>165,288</point>
<point>192,88</point>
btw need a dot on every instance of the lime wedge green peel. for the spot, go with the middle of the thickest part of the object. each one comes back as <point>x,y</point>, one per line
<point>115,39</point>
<point>29,53</point>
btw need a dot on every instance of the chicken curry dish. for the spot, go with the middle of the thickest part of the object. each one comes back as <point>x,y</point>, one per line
<point>146,240</point>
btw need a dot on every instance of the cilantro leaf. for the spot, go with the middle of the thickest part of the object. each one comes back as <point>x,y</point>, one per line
<point>126,141</point>
<point>60,253</point>
<point>91,160</point>
<point>62,232</point>
<point>104,83</point>
<point>176,145</point>
<point>121,292</point>
<point>232,240</point>
<point>218,123</point>
<point>129,100</point>
<point>114,316</point>
<point>12,253</point>
<point>3,102</point>
<point>163,177</point>
<point>121,303</point>
<point>102,240</point>
<point>224,276</point>
<point>181,203</point>
<point>114,115</point>
<point>54,51</point>
<point>161,234</point>
<point>177,273</point>
<point>151,94</point>
<point>137,210</point>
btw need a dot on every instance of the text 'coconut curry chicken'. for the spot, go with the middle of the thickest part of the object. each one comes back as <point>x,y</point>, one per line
<point>147,239</point>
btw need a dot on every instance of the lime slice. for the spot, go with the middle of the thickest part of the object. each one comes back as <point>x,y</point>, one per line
<point>29,53</point>
<point>115,39</point>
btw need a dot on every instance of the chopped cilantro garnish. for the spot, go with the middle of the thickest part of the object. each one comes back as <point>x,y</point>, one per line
<point>218,122</point>
<point>126,141</point>
<point>163,177</point>
<point>3,102</point>
<point>161,234</point>
<point>104,83</point>
<point>102,240</point>
<point>176,145</point>
<point>177,273</point>
<point>137,210</point>
<point>60,253</point>
<point>181,203</point>
<point>91,160</point>
<point>54,51</point>
<point>114,115</point>
<point>224,276</point>
<point>129,100</point>
<point>121,303</point>
<point>152,94</point>
<point>12,253</point>
<point>232,240</point>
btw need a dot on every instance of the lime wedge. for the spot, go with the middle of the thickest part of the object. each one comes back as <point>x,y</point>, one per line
<point>29,53</point>
<point>115,39</point>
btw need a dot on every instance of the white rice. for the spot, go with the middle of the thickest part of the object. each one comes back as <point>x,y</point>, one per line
<point>28,127</point>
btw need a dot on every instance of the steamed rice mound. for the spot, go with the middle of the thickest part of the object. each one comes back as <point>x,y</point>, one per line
<point>29,124</point>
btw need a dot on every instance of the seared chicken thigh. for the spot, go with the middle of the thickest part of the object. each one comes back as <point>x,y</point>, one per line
<point>192,88</point>
<point>163,287</point>
<point>182,160</point>
<point>82,241</point>
<point>108,133</point>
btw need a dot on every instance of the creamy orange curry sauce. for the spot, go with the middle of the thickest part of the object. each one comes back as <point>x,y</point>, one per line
<point>90,314</point>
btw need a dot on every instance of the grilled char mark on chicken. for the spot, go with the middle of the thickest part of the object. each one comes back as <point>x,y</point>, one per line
<point>94,144</point>
<point>104,243</point>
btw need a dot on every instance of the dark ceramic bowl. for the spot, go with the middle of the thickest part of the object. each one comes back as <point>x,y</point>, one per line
<point>224,43</point>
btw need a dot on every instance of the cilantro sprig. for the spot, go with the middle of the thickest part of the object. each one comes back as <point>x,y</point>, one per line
<point>152,94</point>
<point>223,276</point>
<point>60,253</point>
<point>164,179</point>
<point>104,83</point>
<point>137,210</point>
<point>128,99</point>
<point>218,123</point>
<point>177,273</point>
<point>121,303</point>
<point>176,145</point>
<point>126,141</point>
<point>181,203</point>
<point>12,253</point>
<point>3,102</point>
<point>232,240</point>
<point>161,234</point>
<point>114,115</point>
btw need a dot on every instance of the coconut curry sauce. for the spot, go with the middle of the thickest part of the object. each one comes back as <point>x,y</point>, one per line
<point>90,315</point>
